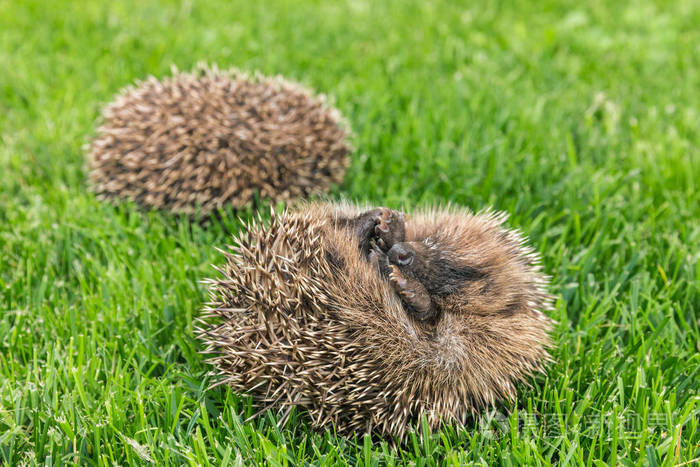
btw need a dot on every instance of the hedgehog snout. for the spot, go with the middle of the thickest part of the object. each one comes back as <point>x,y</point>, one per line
<point>401,254</point>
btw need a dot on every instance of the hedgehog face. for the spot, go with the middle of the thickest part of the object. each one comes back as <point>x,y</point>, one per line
<point>415,269</point>
<point>440,274</point>
<point>432,274</point>
<point>420,272</point>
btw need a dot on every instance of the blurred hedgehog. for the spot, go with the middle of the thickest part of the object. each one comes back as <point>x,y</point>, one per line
<point>214,138</point>
<point>371,321</point>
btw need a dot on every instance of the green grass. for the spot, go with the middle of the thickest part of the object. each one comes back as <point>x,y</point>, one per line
<point>580,120</point>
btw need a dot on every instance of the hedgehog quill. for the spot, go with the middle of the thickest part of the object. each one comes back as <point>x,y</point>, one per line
<point>370,320</point>
<point>215,138</point>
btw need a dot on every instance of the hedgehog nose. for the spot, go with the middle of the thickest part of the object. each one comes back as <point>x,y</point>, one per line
<point>401,254</point>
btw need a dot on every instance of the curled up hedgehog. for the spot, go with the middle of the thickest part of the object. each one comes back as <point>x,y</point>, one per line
<point>370,319</point>
<point>209,139</point>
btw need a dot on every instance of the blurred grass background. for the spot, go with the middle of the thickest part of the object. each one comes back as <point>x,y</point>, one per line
<point>580,120</point>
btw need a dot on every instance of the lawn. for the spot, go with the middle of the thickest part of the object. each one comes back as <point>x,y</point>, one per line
<point>581,120</point>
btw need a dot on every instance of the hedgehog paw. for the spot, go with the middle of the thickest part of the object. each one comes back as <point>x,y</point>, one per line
<point>390,228</point>
<point>381,226</point>
<point>379,260</point>
<point>413,294</point>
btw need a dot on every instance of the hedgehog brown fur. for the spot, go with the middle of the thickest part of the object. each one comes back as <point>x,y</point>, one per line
<point>216,138</point>
<point>302,317</point>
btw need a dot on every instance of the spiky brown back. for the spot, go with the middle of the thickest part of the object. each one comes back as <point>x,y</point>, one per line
<point>300,318</point>
<point>215,138</point>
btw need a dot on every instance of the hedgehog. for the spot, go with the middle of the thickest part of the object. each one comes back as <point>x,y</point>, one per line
<point>199,141</point>
<point>371,320</point>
